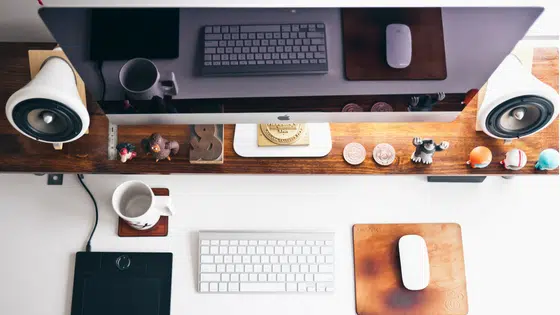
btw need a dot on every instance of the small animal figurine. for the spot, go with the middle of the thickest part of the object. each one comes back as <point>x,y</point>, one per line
<point>515,160</point>
<point>424,103</point>
<point>549,159</point>
<point>425,150</point>
<point>160,147</point>
<point>480,157</point>
<point>127,151</point>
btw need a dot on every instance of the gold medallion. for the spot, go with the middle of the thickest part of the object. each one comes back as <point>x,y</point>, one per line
<point>283,134</point>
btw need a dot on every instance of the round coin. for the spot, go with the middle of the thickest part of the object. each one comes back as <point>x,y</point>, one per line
<point>354,153</point>
<point>384,154</point>
<point>352,107</point>
<point>282,134</point>
<point>381,107</point>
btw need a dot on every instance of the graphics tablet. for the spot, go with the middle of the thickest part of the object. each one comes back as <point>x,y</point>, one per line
<point>122,283</point>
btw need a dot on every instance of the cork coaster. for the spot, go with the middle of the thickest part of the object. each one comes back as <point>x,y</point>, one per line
<point>160,229</point>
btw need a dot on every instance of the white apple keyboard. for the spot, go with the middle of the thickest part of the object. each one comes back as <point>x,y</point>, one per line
<point>246,262</point>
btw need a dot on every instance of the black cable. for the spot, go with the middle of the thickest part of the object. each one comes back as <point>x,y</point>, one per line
<point>104,84</point>
<point>88,245</point>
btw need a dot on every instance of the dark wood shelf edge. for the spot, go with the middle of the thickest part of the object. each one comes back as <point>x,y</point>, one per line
<point>89,154</point>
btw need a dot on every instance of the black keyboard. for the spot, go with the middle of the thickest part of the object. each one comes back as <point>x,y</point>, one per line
<point>232,50</point>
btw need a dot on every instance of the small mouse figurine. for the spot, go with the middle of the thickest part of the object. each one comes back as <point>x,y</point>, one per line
<point>515,160</point>
<point>127,151</point>
<point>549,159</point>
<point>425,150</point>
<point>160,147</point>
<point>480,157</point>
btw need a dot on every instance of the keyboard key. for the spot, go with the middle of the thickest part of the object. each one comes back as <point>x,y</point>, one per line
<point>326,268</point>
<point>243,36</point>
<point>227,36</point>
<point>268,35</point>
<point>274,259</point>
<point>211,43</point>
<point>306,250</point>
<point>295,28</point>
<point>222,287</point>
<point>262,287</point>
<point>304,269</point>
<point>286,28</point>
<point>323,277</point>
<point>239,268</point>
<point>235,36</point>
<point>233,287</point>
<point>271,277</point>
<point>326,250</point>
<point>225,277</point>
<point>216,29</point>
<point>244,277</point>
<point>262,277</point>
<point>267,268</point>
<point>234,277</point>
<point>230,268</point>
<point>234,29</point>
<point>222,43</point>
<point>204,287</point>
<point>259,28</point>
<point>213,287</point>
<point>225,29</point>
<point>299,277</point>
<point>315,35</point>
<point>207,268</point>
<point>253,277</point>
<point>260,35</point>
<point>213,37</point>
<point>237,259</point>
<point>258,268</point>
<point>205,259</point>
<point>207,29</point>
<point>221,268</point>
<point>208,277</point>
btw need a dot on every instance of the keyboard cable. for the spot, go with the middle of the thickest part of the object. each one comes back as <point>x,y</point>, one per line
<point>88,245</point>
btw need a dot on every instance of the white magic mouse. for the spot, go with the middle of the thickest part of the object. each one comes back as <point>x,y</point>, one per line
<point>415,263</point>
<point>399,45</point>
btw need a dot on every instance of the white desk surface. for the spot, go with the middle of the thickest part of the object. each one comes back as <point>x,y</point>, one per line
<point>509,233</point>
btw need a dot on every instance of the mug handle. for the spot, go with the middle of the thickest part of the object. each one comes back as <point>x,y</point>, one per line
<point>164,205</point>
<point>169,78</point>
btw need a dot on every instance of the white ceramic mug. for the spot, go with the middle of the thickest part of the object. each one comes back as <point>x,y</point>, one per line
<point>141,80</point>
<point>135,202</point>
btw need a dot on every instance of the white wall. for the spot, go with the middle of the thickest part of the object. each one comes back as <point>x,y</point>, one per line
<point>19,20</point>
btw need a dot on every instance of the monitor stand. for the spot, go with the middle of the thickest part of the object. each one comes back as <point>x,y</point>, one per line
<point>245,143</point>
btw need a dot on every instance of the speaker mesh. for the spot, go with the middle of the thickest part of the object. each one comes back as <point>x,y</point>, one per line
<point>538,113</point>
<point>65,126</point>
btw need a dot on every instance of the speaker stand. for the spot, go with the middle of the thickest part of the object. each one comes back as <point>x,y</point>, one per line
<point>57,146</point>
<point>245,143</point>
<point>456,179</point>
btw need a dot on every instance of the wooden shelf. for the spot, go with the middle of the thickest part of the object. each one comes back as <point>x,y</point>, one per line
<point>89,154</point>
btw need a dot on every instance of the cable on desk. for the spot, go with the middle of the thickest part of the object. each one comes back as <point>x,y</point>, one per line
<point>99,64</point>
<point>88,245</point>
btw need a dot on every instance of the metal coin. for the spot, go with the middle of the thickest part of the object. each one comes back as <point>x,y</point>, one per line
<point>352,107</point>
<point>282,133</point>
<point>381,107</point>
<point>384,154</point>
<point>354,153</point>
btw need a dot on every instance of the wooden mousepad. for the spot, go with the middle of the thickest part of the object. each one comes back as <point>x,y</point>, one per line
<point>363,37</point>
<point>160,229</point>
<point>379,288</point>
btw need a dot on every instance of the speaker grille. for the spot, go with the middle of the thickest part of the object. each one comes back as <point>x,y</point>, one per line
<point>47,120</point>
<point>537,113</point>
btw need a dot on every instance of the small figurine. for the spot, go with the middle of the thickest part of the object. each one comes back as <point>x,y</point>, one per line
<point>549,159</point>
<point>424,103</point>
<point>515,160</point>
<point>160,147</point>
<point>425,150</point>
<point>127,151</point>
<point>480,157</point>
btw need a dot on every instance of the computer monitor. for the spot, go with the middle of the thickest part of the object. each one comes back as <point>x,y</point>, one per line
<point>100,40</point>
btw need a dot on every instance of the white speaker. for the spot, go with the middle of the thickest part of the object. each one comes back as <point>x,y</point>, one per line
<point>49,108</point>
<point>516,103</point>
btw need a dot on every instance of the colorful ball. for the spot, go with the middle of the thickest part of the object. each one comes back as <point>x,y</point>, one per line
<point>515,160</point>
<point>480,157</point>
<point>549,159</point>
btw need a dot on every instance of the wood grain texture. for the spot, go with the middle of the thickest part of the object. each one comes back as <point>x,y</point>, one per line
<point>379,288</point>
<point>89,153</point>
<point>160,229</point>
<point>364,41</point>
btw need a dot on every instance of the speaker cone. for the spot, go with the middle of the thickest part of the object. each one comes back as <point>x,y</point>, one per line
<point>519,116</point>
<point>47,120</point>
